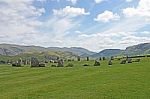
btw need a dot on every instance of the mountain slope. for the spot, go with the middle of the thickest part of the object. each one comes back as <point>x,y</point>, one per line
<point>76,50</point>
<point>108,53</point>
<point>139,49</point>
<point>12,49</point>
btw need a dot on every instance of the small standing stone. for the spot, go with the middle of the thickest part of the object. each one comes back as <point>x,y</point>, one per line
<point>97,63</point>
<point>19,62</point>
<point>60,63</point>
<point>109,62</point>
<point>78,58</point>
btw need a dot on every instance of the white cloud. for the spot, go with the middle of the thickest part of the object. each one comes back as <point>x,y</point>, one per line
<point>20,25</point>
<point>106,16</point>
<point>109,40</point>
<point>146,33</point>
<point>129,0</point>
<point>70,11</point>
<point>99,1</point>
<point>18,17</point>
<point>142,10</point>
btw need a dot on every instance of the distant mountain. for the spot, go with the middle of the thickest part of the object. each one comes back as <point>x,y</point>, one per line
<point>76,50</point>
<point>12,49</point>
<point>108,53</point>
<point>143,48</point>
<point>139,49</point>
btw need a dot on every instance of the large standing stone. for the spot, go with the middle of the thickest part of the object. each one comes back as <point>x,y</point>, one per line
<point>97,63</point>
<point>17,63</point>
<point>60,63</point>
<point>78,58</point>
<point>100,58</point>
<point>129,60</point>
<point>104,58</point>
<point>34,62</point>
<point>123,62</point>
<point>87,59</point>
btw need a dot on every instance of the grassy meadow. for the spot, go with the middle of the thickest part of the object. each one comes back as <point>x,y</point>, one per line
<point>119,81</point>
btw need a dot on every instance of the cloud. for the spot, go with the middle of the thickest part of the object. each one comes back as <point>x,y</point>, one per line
<point>129,0</point>
<point>18,18</point>
<point>70,11</point>
<point>20,24</point>
<point>106,16</point>
<point>142,10</point>
<point>99,1</point>
<point>109,40</point>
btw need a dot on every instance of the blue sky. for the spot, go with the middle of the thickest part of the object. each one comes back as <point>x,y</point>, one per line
<point>92,24</point>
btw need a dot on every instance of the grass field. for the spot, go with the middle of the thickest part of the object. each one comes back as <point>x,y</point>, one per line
<point>126,81</point>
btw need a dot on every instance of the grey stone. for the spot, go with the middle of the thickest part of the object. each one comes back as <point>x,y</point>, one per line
<point>34,62</point>
<point>60,63</point>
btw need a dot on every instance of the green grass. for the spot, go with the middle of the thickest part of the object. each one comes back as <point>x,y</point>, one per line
<point>128,81</point>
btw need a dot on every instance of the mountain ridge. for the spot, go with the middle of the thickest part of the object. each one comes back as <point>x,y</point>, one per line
<point>14,49</point>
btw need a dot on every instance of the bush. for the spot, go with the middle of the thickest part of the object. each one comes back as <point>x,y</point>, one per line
<point>70,65</point>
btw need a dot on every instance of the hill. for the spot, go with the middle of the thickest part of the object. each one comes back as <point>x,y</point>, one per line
<point>12,49</point>
<point>76,50</point>
<point>139,49</point>
<point>108,53</point>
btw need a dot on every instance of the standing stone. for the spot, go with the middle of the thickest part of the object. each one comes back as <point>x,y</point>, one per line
<point>34,62</point>
<point>60,63</point>
<point>19,62</point>
<point>129,60</point>
<point>42,65</point>
<point>123,62</point>
<point>109,62</point>
<point>87,59</point>
<point>78,58</point>
<point>57,58</point>
<point>104,58</point>
<point>24,62</point>
<point>137,60</point>
<point>100,58</point>
<point>112,58</point>
<point>97,63</point>
<point>28,62</point>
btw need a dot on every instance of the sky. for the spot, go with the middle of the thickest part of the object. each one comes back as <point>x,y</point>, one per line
<point>91,24</point>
